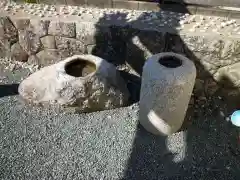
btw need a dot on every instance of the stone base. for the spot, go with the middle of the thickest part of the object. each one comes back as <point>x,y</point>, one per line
<point>86,82</point>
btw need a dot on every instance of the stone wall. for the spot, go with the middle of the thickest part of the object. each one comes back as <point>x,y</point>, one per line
<point>44,42</point>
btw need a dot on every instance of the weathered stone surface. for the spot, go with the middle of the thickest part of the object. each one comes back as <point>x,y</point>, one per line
<point>8,36</point>
<point>48,42</point>
<point>48,57</point>
<point>90,33</point>
<point>110,44</point>
<point>5,48</point>
<point>66,29</point>
<point>210,87</point>
<point>18,54</point>
<point>211,52</point>
<point>165,92</point>
<point>218,52</point>
<point>21,24</point>
<point>39,27</point>
<point>142,46</point>
<point>33,60</point>
<point>69,44</point>
<point>29,41</point>
<point>7,30</point>
<point>229,76</point>
<point>102,88</point>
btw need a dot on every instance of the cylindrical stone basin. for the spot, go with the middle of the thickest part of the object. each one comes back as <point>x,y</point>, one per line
<point>167,84</point>
<point>87,82</point>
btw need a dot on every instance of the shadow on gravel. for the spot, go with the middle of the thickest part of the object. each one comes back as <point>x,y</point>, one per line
<point>207,145</point>
<point>8,90</point>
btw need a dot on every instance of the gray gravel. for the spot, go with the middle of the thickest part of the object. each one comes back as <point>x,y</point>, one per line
<point>37,143</point>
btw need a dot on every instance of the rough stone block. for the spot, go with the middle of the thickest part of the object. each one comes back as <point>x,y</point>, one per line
<point>69,44</point>
<point>210,53</point>
<point>90,33</point>
<point>219,52</point>
<point>112,51</point>
<point>21,24</point>
<point>229,76</point>
<point>39,27</point>
<point>5,48</point>
<point>18,54</point>
<point>7,30</point>
<point>33,60</point>
<point>86,82</point>
<point>142,46</point>
<point>50,56</point>
<point>29,41</point>
<point>66,29</point>
<point>48,42</point>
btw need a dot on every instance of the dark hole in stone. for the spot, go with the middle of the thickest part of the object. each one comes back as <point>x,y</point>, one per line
<point>80,68</point>
<point>170,61</point>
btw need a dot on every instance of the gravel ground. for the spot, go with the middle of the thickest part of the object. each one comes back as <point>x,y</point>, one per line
<point>48,143</point>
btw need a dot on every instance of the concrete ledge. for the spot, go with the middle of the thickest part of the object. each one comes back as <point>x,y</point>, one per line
<point>125,4</point>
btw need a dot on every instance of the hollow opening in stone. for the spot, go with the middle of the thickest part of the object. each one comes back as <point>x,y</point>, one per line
<point>80,68</point>
<point>170,61</point>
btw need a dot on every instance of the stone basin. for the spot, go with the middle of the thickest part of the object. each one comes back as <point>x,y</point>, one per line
<point>86,82</point>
